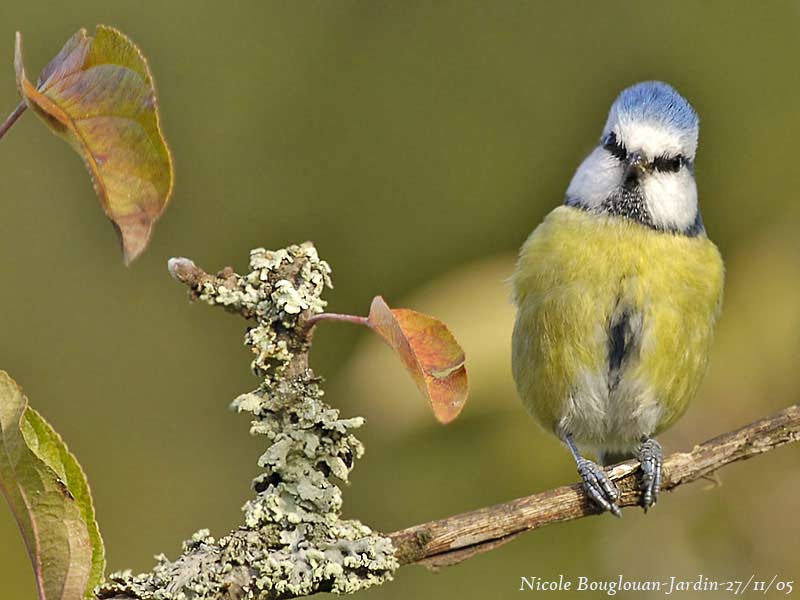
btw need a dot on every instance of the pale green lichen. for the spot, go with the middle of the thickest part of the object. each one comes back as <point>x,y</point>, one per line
<point>293,541</point>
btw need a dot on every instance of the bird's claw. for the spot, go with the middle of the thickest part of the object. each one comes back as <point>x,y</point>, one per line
<point>651,458</point>
<point>600,489</point>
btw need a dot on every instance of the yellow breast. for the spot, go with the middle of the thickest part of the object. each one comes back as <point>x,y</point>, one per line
<point>580,273</point>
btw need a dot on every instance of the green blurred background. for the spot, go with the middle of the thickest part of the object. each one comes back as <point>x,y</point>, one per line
<point>417,144</point>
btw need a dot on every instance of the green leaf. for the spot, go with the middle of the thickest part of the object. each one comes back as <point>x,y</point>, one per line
<point>50,498</point>
<point>98,94</point>
<point>429,352</point>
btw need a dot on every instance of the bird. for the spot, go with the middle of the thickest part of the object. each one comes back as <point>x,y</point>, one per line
<point>617,292</point>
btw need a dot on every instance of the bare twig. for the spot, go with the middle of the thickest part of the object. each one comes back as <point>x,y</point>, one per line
<point>314,319</point>
<point>454,539</point>
<point>12,118</point>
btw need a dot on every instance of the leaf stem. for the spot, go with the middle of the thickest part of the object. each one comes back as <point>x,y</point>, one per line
<point>12,118</point>
<point>313,320</point>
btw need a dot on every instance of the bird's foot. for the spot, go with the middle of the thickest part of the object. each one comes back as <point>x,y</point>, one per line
<point>651,457</point>
<point>602,491</point>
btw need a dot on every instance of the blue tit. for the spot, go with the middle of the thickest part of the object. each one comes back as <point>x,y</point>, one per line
<point>617,292</point>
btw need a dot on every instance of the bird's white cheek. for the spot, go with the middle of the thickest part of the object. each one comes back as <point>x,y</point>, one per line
<point>596,178</point>
<point>671,199</point>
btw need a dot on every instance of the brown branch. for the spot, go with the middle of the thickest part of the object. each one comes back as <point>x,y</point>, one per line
<point>258,560</point>
<point>454,539</point>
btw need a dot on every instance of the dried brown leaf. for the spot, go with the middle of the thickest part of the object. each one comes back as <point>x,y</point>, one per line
<point>430,353</point>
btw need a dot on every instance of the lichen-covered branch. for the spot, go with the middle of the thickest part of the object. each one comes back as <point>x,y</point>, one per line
<point>293,541</point>
<point>454,539</point>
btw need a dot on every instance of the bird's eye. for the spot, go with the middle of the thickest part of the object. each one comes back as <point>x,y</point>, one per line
<point>612,145</point>
<point>668,165</point>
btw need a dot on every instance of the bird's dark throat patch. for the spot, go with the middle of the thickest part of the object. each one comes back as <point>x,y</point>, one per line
<point>629,202</point>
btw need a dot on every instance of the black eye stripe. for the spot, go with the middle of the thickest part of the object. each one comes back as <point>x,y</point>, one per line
<point>667,164</point>
<point>664,164</point>
<point>612,145</point>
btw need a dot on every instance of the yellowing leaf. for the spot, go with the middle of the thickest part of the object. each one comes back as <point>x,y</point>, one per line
<point>98,94</point>
<point>430,353</point>
<point>50,499</point>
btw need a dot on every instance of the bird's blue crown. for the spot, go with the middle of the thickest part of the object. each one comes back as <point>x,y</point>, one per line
<point>656,102</point>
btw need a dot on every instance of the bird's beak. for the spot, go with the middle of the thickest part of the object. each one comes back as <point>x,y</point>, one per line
<point>635,166</point>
